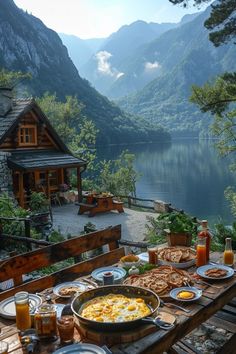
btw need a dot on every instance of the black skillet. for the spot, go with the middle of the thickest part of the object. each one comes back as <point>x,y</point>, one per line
<point>150,298</point>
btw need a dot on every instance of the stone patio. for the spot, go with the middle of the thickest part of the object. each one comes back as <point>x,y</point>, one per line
<point>66,219</point>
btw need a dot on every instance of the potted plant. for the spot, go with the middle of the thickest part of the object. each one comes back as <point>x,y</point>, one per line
<point>177,226</point>
<point>38,203</point>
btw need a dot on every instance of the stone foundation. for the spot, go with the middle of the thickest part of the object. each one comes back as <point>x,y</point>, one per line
<point>6,183</point>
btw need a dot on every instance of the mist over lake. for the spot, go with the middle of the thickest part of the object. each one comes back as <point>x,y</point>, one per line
<point>189,174</point>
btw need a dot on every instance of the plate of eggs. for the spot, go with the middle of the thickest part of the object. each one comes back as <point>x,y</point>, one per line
<point>187,293</point>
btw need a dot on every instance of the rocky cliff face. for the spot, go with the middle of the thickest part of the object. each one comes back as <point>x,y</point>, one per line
<point>27,45</point>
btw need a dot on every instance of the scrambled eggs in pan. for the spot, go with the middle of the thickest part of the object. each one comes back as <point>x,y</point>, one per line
<point>115,308</point>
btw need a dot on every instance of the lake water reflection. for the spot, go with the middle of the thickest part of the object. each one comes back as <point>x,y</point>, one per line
<point>188,174</point>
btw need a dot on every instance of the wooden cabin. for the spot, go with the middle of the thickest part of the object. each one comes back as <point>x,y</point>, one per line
<point>36,156</point>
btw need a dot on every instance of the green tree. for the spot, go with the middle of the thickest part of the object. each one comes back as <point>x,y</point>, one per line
<point>12,78</point>
<point>221,19</point>
<point>119,176</point>
<point>77,132</point>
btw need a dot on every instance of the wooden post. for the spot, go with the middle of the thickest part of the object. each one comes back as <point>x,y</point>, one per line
<point>129,202</point>
<point>47,185</point>
<point>79,185</point>
<point>27,232</point>
<point>21,190</point>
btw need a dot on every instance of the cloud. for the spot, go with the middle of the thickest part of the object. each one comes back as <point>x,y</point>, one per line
<point>104,65</point>
<point>152,66</point>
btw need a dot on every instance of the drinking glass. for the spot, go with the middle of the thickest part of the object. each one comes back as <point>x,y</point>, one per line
<point>152,254</point>
<point>3,347</point>
<point>201,252</point>
<point>65,326</point>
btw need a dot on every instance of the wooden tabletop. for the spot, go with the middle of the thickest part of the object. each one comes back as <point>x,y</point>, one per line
<point>215,296</point>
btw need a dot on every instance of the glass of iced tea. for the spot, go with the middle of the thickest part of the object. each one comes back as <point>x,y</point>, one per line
<point>3,347</point>
<point>65,326</point>
<point>152,254</point>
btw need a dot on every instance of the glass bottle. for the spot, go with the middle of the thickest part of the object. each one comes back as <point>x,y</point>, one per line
<point>228,253</point>
<point>204,232</point>
<point>23,320</point>
<point>201,252</point>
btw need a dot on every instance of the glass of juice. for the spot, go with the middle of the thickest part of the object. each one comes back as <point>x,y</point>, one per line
<point>3,347</point>
<point>23,319</point>
<point>228,256</point>
<point>201,258</point>
<point>152,254</point>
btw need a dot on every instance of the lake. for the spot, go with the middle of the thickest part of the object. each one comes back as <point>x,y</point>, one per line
<point>189,174</point>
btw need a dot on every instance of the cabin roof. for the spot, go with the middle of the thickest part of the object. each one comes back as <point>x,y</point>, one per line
<point>20,107</point>
<point>44,159</point>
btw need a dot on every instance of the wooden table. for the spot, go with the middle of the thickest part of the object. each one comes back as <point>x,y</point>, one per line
<point>157,341</point>
<point>98,203</point>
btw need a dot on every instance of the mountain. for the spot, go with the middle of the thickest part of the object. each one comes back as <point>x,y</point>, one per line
<point>80,50</point>
<point>27,45</point>
<point>110,64</point>
<point>185,56</point>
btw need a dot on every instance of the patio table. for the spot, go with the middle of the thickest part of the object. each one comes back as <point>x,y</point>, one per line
<point>215,296</point>
<point>99,203</point>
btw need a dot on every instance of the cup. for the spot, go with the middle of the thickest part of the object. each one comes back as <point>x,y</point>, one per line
<point>3,347</point>
<point>65,326</point>
<point>152,254</point>
<point>201,252</point>
<point>108,278</point>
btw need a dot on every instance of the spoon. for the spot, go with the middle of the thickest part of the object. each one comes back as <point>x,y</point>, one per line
<point>159,323</point>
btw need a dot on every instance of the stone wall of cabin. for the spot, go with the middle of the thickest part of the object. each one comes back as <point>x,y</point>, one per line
<point>6,183</point>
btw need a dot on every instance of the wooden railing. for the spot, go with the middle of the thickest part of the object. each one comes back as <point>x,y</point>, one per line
<point>15,267</point>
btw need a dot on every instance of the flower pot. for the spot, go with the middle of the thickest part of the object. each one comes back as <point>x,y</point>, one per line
<point>179,239</point>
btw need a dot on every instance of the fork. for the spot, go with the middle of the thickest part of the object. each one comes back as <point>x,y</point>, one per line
<point>170,304</point>
<point>206,283</point>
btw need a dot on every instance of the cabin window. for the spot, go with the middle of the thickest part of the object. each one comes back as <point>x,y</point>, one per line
<point>27,135</point>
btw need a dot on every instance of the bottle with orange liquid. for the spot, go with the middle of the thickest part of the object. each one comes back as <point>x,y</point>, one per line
<point>228,253</point>
<point>204,232</point>
<point>23,320</point>
<point>201,252</point>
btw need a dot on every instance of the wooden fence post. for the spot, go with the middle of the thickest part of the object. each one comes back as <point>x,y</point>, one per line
<point>27,232</point>
<point>129,202</point>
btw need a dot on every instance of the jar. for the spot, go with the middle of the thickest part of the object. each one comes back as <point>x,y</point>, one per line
<point>23,319</point>
<point>45,321</point>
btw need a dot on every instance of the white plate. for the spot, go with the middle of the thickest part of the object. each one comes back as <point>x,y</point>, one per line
<point>81,287</point>
<point>144,258</point>
<point>197,292</point>
<point>201,271</point>
<point>118,272</point>
<point>80,348</point>
<point>7,306</point>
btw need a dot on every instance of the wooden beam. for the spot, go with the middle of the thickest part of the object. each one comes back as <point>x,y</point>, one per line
<point>21,190</point>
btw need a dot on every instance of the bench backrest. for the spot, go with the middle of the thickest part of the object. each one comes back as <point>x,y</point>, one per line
<point>15,267</point>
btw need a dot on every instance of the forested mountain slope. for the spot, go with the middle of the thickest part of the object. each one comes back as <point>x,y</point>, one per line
<point>26,44</point>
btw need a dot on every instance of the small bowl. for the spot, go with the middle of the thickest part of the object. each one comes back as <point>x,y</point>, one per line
<point>130,264</point>
<point>192,289</point>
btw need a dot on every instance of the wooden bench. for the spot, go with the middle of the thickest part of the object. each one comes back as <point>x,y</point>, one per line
<point>225,319</point>
<point>83,207</point>
<point>15,267</point>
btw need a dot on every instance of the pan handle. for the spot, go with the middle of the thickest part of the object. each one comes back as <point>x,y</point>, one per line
<point>159,323</point>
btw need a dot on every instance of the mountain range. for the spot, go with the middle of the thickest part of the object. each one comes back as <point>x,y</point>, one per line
<point>27,45</point>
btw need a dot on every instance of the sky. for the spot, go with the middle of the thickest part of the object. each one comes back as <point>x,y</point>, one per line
<point>100,18</point>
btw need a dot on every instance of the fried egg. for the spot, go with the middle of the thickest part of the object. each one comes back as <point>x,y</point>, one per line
<point>115,308</point>
<point>185,295</point>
